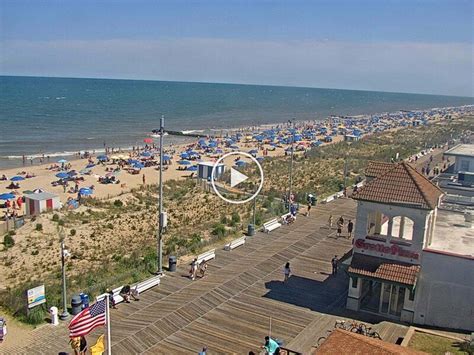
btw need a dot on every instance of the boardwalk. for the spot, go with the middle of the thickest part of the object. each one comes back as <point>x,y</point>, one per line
<point>231,309</point>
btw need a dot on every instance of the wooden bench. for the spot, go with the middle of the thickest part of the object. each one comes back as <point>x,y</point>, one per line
<point>235,243</point>
<point>339,194</point>
<point>140,287</point>
<point>271,225</point>
<point>208,255</point>
<point>329,199</point>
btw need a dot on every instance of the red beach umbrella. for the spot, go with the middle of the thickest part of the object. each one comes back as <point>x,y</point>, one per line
<point>148,140</point>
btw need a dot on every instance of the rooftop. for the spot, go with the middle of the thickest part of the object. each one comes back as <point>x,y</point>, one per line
<point>343,342</point>
<point>380,268</point>
<point>209,163</point>
<point>466,150</point>
<point>452,235</point>
<point>40,196</point>
<point>377,168</point>
<point>400,185</point>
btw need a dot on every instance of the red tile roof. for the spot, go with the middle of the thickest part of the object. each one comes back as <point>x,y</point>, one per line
<point>384,269</point>
<point>377,168</point>
<point>401,185</point>
<point>343,342</point>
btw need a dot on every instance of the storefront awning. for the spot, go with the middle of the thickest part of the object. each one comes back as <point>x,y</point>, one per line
<point>384,269</point>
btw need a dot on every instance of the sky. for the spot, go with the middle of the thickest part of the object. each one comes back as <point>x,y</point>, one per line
<point>421,46</point>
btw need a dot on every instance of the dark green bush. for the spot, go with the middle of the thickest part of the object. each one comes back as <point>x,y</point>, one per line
<point>8,241</point>
<point>39,227</point>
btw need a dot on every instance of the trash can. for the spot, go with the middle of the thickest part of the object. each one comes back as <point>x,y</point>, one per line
<point>172,260</point>
<point>76,304</point>
<point>85,300</point>
<point>250,230</point>
<point>53,311</point>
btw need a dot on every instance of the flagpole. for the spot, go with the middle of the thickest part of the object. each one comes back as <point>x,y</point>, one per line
<point>107,310</point>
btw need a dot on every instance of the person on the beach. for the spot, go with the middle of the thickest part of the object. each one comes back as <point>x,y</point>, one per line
<point>193,270</point>
<point>309,209</point>
<point>143,179</point>
<point>110,296</point>
<point>287,272</point>
<point>271,346</point>
<point>350,227</point>
<point>203,268</point>
<point>334,262</point>
<point>330,221</point>
<point>340,224</point>
<point>204,351</point>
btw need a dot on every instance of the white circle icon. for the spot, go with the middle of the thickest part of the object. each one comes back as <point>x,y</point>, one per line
<point>236,177</point>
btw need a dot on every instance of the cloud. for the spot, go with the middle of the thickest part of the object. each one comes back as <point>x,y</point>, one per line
<point>437,68</point>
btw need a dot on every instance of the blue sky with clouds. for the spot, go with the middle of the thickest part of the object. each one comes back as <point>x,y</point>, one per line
<point>391,45</point>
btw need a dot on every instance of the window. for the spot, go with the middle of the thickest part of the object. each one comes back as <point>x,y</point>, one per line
<point>411,297</point>
<point>464,165</point>
<point>354,282</point>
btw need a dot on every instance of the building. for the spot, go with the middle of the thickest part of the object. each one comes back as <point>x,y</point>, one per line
<point>463,157</point>
<point>36,203</point>
<point>205,170</point>
<point>343,342</point>
<point>351,138</point>
<point>411,261</point>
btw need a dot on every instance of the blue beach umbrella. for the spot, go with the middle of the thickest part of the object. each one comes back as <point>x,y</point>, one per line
<point>88,166</point>
<point>86,191</point>
<point>7,196</point>
<point>146,154</point>
<point>184,155</point>
<point>240,163</point>
<point>234,146</point>
<point>184,162</point>
<point>62,175</point>
<point>17,178</point>
<point>102,157</point>
<point>62,161</point>
<point>133,161</point>
<point>212,144</point>
<point>253,151</point>
<point>166,157</point>
<point>138,166</point>
<point>260,159</point>
<point>72,173</point>
<point>192,168</point>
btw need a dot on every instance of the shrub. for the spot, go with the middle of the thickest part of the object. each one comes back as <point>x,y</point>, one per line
<point>61,222</point>
<point>219,230</point>
<point>235,217</point>
<point>224,219</point>
<point>118,203</point>
<point>72,232</point>
<point>55,217</point>
<point>39,227</point>
<point>8,241</point>
<point>35,252</point>
<point>110,226</point>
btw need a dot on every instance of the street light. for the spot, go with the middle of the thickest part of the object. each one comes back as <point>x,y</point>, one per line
<point>64,253</point>
<point>291,164</point>
<point>162,220</point>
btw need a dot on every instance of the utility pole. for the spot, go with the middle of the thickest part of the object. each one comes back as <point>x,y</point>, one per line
<point>64,315</point>
<point>161,221</point>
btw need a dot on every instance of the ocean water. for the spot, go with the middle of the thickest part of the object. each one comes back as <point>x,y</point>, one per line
<point>58,116</point>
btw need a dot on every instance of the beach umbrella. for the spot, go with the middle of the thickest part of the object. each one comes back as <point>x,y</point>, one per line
<point>133,161</point>
<point>234,146</point>
<point>184,155</point>
<point>72,173</point>
<point>192,168</point>
<point>212,144</point>
<point>240,163</point>
<point>102,157</point>
<point>184,162</point>
<point>219,151</point>
<point>17,178</point>
<point>166,158</point>
<point>138,166</point>
<point>148,140</point>
<point>86,191</point>
<point>62,175</point>
<point>88,166</point>
<point>62,161</point>
<point>260,159</point>
<point>146,154</point>
<point>7,196</point>
<point>253,151</point>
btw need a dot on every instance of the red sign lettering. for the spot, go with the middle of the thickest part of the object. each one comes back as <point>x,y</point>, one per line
<point>381,248</point>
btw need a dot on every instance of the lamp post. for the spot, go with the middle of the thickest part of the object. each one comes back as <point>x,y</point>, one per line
<point>291,164</point>
<point>64,315</point>
<point>161,221</point>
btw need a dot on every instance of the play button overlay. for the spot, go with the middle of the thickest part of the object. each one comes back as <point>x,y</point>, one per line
<point>237,177</point>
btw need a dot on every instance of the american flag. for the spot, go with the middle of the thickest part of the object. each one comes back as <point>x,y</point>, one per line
<point>90,318</point>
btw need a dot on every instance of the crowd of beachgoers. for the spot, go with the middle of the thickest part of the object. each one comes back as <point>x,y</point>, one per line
<point>116,171</point>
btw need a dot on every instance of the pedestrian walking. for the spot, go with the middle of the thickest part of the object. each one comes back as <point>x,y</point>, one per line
<point>330,221</point>
<point>143,179</point>
<point>309,209</point>
<point>271,346</point>
<point>287,272</point>
<point>334,262</point>
<point>204,351</point>
<point>194,267</point>
<point>350,228</point>
<point>340,224</point>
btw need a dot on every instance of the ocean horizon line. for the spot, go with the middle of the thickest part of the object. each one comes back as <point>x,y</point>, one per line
<point>235,84</point>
